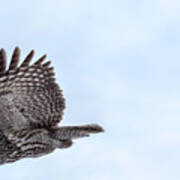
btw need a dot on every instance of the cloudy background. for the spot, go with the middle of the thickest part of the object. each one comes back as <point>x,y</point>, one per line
<point>118,62</point>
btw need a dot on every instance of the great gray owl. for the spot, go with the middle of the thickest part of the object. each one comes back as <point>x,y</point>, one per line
<point>31,106</point>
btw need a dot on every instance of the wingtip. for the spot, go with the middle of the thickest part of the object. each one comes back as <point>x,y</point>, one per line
<point>32,51</point>
<point>40,60</point>
<point>2,50</point>
<point>44,56</point>
<point>28,59</point>
<point>17,49</point>
<point>47,64</point>
<point>16,52</point>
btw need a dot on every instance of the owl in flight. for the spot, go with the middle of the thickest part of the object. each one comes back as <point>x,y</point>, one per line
<point>31,106</point>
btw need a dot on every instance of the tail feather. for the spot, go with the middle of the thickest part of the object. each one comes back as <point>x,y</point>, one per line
<point>90,128</point>
<point>73,132</point>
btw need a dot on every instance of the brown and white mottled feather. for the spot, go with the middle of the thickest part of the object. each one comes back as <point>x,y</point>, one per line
<point>31,106</point>
<point>33,91</point>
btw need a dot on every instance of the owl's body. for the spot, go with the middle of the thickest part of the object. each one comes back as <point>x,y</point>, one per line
<point>31,106</point>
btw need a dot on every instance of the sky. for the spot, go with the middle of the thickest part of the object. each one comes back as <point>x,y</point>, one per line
<point>118,63</point>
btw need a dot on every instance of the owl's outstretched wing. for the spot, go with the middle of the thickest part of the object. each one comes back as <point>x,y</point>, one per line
<point>28,93</point>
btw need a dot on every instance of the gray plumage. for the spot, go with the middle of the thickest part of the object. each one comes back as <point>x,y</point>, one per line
<point>31,106</point>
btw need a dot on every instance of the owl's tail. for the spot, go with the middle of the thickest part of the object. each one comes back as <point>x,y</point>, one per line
<point>73,132</point>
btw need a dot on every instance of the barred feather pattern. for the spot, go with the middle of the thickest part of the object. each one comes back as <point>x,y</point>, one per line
<point>31,106</point>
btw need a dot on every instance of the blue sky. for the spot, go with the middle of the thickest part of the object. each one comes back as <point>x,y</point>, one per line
<point>118,63</point>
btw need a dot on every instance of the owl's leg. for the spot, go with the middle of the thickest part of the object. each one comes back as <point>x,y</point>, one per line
<point>73,132</point>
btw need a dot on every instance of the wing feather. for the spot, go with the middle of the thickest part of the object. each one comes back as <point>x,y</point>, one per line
<point>2,61</point>
<point>28,59</point>
<point>47,64</point>
<point>34,92</point>
<point>40,60</point>
<point>15,59</point>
